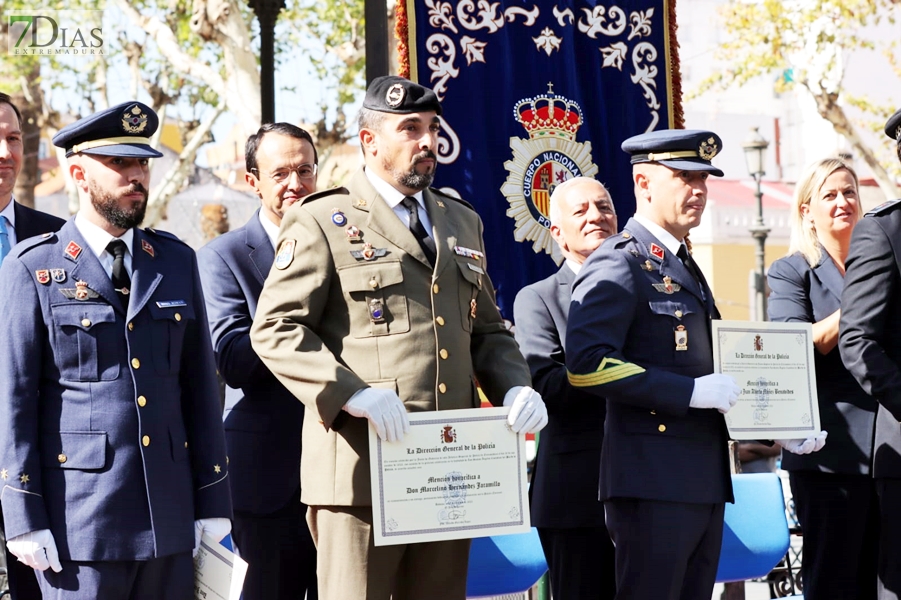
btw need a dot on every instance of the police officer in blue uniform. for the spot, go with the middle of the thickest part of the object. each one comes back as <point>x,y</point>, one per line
<point>112,455</point>
<point>639,335</point>
<point>870,347</point>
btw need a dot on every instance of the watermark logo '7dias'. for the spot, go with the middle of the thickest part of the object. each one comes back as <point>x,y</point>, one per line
<point>55,33</point>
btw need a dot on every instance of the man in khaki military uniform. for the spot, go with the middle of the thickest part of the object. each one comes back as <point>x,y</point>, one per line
<point>379,303</point>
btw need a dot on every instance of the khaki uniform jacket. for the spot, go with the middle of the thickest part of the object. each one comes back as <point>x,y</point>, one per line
<point>330,323</point>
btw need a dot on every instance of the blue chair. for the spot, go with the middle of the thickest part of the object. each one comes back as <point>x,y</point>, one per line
<point>755,537</point>
<point>504,564</point>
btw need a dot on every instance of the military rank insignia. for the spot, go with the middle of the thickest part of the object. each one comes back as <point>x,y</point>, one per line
<point>376,311</point>
<point>285,254</point>
<point>146,247</point>
<point>72,250</point>
<point>681,335</point>
<point>656,251</point>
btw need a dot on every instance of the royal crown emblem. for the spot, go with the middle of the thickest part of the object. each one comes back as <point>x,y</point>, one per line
<point>540,163</point>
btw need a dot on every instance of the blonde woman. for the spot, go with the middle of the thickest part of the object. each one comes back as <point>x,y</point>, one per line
<point>833,490</point>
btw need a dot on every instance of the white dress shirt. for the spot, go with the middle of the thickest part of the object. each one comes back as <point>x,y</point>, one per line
<point>394,198</point>
<point>97,240</point>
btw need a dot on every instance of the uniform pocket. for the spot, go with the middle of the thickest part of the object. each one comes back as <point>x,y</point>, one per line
<point>85,450</point>
<point>88,344</point>
<point>167,332</point>
<point>470,285</point>
<point>376,299</point>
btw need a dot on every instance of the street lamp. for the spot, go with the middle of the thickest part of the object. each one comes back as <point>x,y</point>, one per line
<point>755,157</point>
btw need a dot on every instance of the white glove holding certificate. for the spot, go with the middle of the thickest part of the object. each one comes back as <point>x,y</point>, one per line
<point>383,409</point>
<point>715,391</point>
<point>528,413</point>
<point>814,443</point>
<point>216,527</point>
<point>36,549</point>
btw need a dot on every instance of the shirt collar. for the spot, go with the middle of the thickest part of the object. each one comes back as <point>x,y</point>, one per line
<point>662,235</point>
<point>573,265</point>
<point>10,213</point>
<point>388,192</point>
<point>269,227</point>
<point>97,239</point>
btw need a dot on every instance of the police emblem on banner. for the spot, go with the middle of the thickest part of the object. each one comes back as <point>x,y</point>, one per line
<point>549,156</point>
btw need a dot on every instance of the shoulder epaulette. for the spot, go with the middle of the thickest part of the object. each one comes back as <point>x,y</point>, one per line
<point>323,194</point>
<point>165,234</point>
<point>33,242</point>
<point>884,208</point>
<point>444,194</point>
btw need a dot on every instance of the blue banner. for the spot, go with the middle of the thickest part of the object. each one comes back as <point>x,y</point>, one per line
<point>536,92</point>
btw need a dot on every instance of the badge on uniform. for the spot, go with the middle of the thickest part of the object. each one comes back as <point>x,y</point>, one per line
<point>58,275</point>
<point>353,234</point>
<point>439,203</point>
<point>369,253</point>
<point>81,291</point>
<point>681,338</point>
<point>468,252</point>
<point>647,265</point>
<point>43,276</point>
<point>472,308</point>
<point>73,250</point>
<point>146,247</point>
<point>667,287</point>
<point>657,251</point>
<point>285,254</point>
<point>376,311</point>
<point>338,217</point>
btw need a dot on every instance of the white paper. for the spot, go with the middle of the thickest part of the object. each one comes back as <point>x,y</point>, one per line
<point>774,367</point>
<point>457,474</point>
<point>218,572</point>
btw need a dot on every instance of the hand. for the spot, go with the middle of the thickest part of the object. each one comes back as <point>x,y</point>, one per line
<point>383,409</point>
<point>216,527</point>
<point>715,391</point>
<point>814,443</point>
<point>36,549</point>
<point>528,413</point>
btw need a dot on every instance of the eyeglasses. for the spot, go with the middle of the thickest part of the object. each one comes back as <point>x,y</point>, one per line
<point>306,172</point>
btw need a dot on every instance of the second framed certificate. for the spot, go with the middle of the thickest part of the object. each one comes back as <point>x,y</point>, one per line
<point>773,365</point>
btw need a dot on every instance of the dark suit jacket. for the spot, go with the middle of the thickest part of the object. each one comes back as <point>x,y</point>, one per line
<point>620,344</point>
<point>263,420</point>
<point>807,295</point>
<point>30,222</point>
<point>565,485</point>
<point>870,330</point>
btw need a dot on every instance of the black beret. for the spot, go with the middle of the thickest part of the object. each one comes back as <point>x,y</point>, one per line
<point>394,94</point>
<point>121,130</point>
<point>685,149</point>
<point>893,126</point>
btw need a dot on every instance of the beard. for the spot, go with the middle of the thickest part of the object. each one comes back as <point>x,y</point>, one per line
<point>107,206</point>
<point>411,178</point>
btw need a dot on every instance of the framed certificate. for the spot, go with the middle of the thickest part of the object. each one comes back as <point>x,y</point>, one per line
<point>773,365</point>
<point>456,474</point>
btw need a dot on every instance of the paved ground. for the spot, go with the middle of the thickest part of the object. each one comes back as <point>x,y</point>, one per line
<point>753,591</point>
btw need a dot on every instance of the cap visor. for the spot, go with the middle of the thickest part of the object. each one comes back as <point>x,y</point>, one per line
<point>691,165</point>
<point>125,150</point>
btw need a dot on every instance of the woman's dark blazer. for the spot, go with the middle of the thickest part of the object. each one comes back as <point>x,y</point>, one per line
<point>800,293</point>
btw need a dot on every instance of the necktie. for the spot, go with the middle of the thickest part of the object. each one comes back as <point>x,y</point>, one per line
<point>693,270</point>
<point>121,280</point>
<point>425,242</point>
<point>4,240</point>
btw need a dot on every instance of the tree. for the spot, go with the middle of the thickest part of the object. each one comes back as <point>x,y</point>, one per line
<point>804,42</point>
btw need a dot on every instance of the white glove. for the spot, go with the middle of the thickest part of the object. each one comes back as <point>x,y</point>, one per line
<point>383,409</point>
<point>814,443</point>
<point>216,527</point>
<point>715,391</point>
<point>528,413</point>
<point>36,549</point>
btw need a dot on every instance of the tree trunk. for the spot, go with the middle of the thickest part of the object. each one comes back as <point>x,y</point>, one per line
<point>28,99</point>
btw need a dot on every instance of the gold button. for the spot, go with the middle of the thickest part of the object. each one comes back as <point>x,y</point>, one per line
<point>442,388</point>
<point>177,317</point>
<point>131,326</point>
<point>435,288</point>
<point>186,444</point>
<point>653,412</point>
<point>661,428</point>
<point>626,235</point>
<point>85,322</point>
<point>142,401</point>
<point>62,458</point>
<point>443,353</point>
<point>678,314</point>
<point>136,363</point>
<point>145,440</point>
<point>374,284</point>
<point>440,320</point>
